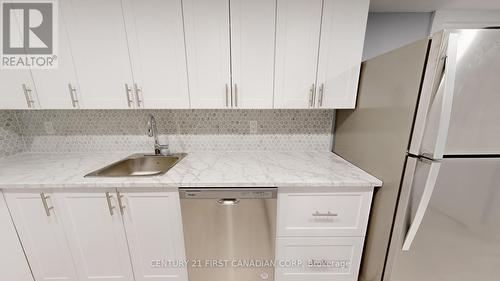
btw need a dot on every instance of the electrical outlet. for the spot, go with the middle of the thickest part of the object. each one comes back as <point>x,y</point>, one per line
<point>49,128</point>
<point>253,127</point>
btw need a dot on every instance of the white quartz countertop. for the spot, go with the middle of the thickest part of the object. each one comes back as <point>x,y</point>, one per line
<point>197,169</point>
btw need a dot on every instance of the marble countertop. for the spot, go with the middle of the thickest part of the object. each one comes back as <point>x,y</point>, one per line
<point>207,169</point>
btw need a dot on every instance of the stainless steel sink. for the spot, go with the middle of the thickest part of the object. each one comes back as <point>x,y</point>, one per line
<point>139,165</point>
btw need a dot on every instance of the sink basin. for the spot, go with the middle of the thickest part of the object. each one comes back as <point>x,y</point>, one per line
<point>139,165</point>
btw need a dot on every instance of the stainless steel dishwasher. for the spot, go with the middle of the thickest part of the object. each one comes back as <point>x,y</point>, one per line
<point>229,233</point>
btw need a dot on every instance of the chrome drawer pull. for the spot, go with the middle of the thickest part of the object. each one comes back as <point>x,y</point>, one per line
<point>138,94</point>
<point>321,93</point>
<point>311,96</point>
<point>327,214</point>
<point>130,98</point>
<point>45,204</point>
<point>235,95</point>
<point>29,98</point>
<point>120,203</point>
<point>73,95</point>
<point>110,206</point>
<point>227,96</point>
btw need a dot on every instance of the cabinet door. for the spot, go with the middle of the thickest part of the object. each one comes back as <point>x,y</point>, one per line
<point>59,88</point>
<point>208,56</point>
<point>42,236</point>
<point>321,259</point>
<point>96,236</point>
<point>99,43</point>
<point>252,52</point>
<point>341,48</point>
<point>12,260</point>
<point>156,40</point>
<point>17,90</point>
<point>154,232</point>
<point>298,25</point>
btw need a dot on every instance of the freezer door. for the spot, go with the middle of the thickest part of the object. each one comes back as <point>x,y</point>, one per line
<point>458,109</point>
<point>458,238</point>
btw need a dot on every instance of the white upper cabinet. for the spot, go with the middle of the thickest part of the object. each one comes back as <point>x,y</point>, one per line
<point>39,225</point>
<point>297,42</point>
<point>154,231</point>
<point>96,236</point>
<point>59,88</point>
<point>156,40</point>
<point>252,52</point>
<point>17,90</point>
<point>99,44</point>
<point>12,260</point>
<point>318,52</point>
<point>208,52</point>
<point>341,48</point>
<point>179,54</point>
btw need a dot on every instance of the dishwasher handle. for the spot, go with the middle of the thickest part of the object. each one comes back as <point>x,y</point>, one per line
<point>228,201</point>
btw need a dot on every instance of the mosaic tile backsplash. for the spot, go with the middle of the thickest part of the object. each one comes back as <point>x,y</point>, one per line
<point>185,130</point>
<point>11,141</point>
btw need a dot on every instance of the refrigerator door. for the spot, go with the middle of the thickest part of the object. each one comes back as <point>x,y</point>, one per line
<point>458,113</point>
<point>375,137</point>
<point>459,236</point>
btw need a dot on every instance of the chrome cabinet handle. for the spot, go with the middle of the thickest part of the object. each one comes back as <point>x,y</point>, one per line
<point>45,204</point>
<point>110,206</point>
<point>72,94</point>
<point>138,95</point>
<point>29,98</point>
<point>321,93</point>
<point>130,98</point>
<point>235,95</point>
<point>120,203</point>
<point>327,214</point>
<point>311,96</point>
<point>227,96</point>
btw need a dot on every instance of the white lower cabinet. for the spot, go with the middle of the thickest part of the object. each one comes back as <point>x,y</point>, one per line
<point>137,235</point>
<point>321,233</point>
<point>13,264</point>
<point>100,235</point>
<point>154,230</point>
<point>319,259</point>
<point>324,213</point>
<point>38,221</point>
<point>94,228</point>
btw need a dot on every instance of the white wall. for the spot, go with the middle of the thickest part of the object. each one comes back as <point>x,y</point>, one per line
<point>389,31</point>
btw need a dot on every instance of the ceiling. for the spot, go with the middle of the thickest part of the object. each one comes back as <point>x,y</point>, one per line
<point>432,5</point>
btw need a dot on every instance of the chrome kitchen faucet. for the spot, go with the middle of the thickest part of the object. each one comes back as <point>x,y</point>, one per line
<point>160,149</point>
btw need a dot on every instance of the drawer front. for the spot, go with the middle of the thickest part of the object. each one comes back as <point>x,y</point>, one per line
<point>318,259</point>
<point>323,214</point>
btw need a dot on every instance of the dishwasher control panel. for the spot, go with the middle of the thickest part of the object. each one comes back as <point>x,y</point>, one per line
<point>240,193</point>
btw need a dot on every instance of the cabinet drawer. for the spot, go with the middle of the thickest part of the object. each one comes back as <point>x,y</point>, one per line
<point>318,259</point>
<point>323,214</point>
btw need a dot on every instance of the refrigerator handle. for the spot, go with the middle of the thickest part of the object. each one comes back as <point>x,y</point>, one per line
<point>430,183</point>
<point>448,92</point>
